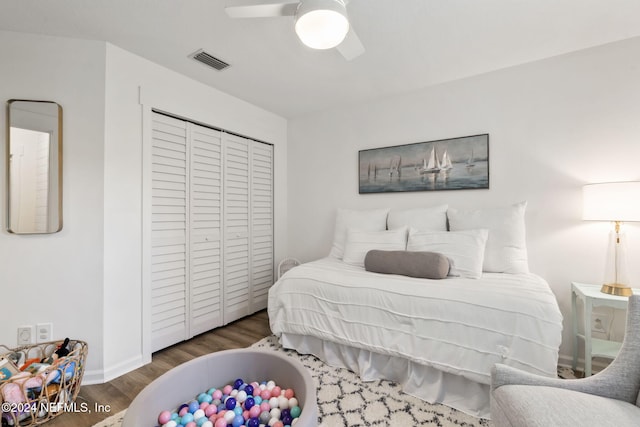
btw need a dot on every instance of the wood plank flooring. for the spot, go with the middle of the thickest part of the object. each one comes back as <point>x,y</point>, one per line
<point>119,392</point>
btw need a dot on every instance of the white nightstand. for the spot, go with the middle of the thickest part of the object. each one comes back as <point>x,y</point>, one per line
<point>593,347</point>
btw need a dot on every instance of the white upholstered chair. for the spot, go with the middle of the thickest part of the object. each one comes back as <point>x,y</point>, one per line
<point>608,398</point>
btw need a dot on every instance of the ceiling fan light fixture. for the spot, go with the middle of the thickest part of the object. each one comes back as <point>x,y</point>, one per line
<point>322,24</point>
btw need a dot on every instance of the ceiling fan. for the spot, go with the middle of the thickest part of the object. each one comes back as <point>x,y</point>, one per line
<point>320,24</point>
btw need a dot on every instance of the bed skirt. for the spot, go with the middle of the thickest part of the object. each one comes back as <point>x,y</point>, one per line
<point>424,382</point>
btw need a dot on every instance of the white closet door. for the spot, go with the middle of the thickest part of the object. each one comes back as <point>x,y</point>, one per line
<point>169,238</point>
<point>205,229</point>
<point>261,224</point>
<point>236,227</point>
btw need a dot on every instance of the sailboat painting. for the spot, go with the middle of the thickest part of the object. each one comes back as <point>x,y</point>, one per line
<point>447,164</point>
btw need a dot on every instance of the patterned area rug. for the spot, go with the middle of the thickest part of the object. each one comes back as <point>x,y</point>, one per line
<point>345,400</point>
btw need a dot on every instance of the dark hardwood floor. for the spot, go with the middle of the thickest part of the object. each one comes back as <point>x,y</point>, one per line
<point>119,393</point>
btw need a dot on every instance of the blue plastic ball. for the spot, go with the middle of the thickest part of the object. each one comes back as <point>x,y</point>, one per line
<point>174,416</point>
<point>187,418</point>
<point>257,400</point>
<point>238,383</point>
<point>194,406</point>
<point>249,403</point>
<point>230,403</point>
<point>238,410</point>
<point>286,419</point>
<point>253,422</point>
<point>249,389</point>
<point>238,421</point>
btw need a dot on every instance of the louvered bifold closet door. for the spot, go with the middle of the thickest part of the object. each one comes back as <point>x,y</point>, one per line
<point>205,229</point>
<point>169,238</point>
<point>236,227</point>
<point>261,224</point>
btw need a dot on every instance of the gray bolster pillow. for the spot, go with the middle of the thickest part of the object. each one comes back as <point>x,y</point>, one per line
<point>425,265</point>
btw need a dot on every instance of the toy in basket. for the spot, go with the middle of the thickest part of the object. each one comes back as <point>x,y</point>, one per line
<point>40,381</point>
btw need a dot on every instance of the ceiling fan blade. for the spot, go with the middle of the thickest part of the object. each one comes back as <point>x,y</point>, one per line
<point>261,8</point>
<point>351,47</point>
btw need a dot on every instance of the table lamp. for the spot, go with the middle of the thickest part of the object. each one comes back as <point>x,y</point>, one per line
<point>617,202</point>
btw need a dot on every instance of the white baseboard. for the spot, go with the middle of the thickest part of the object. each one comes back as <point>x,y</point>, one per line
<point>567,362</point>
<point>101,377</point>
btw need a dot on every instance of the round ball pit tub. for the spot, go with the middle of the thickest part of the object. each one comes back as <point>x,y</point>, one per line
<point>184,382</point>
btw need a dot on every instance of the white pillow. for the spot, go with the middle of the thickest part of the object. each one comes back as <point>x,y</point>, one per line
<point>506,250</point>
<point>465,249</point>
<point>434,218</point>
<point>360,242</point>
<point>366,220</point>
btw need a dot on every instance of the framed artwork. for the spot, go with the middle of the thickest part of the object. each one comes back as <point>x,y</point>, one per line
<point>447,164</point>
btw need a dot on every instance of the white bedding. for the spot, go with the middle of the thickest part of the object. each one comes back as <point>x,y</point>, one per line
<point>456,325</point>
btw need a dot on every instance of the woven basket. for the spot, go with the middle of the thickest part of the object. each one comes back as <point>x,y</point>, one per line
<point>24,403</point>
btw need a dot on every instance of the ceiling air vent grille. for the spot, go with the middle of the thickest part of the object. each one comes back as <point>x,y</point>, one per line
<point>209,60</point>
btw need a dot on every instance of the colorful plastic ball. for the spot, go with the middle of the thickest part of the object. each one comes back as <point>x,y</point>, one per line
<point>270,385</point>
<point>229,416</point>
<point>220,422</point>
<point>241,396</point>
<point>164,417</point>
<point>254,411</point>
<point>253,422</point>
<point>295,411</point>
<point>210,410</point>
<point>249,390</point>
<point>187,418</point>
<point>284,413</point>
<point>198,414</point>
<point>237,383</point>
<point>206,424</point>
<point>283,402</point>
<point>238,410</point>
<point>217,394</point>
<point>287,419</point>
<point>238,421</point>
<point>273,402</point>
<point>230,403</point>
<point>257,400</point>
<point>221,407</point>
<point>265,394</point>
<point>249,402</point>
<point>288,393</point>
<point>194,405</point>
<point>275,391</point>
<point>293,402</point>
<point>275,413</point>
<point>264,417</point>
<point>171,423</point>
<point>264,406</point>
<point>175,416</point>
<point>227,389</point>
<point>201,421</point>
<point>278,424</point>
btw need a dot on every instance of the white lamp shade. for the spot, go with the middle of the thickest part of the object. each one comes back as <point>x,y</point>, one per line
<point>322,24</point>
<point>611,201</point>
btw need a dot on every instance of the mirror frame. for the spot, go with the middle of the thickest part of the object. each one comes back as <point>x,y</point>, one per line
<point>57,178</point>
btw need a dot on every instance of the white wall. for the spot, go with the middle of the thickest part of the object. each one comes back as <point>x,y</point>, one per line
<point>554,125</point>
<point>58,277</point>
<point>87,279</point>
<point>134,86</point>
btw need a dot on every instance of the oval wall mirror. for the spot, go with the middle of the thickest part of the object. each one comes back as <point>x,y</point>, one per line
<point>34,170</point>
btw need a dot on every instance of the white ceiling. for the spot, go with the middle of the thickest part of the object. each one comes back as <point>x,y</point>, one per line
<point>410,44</point>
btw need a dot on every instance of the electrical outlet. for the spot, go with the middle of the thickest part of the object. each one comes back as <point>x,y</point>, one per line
<point>44,332</point>
<point>26,334</point>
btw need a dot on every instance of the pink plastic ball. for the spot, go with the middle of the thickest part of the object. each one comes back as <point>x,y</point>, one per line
<point>164,417</point>
<point>275,392</point>
<point>264,406</point>
<point>227,389</point>
<point>254,412</point>
<point>210,410</point>
<point>220,422</point>
<point>245,415</point>
<point>288,393</point>
<point>265,394</point>
<point>204,405</point>
<point>191,424</point>
<point>278,424</point>
<point>183,411</point>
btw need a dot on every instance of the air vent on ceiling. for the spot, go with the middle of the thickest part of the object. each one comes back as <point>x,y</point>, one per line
<point>209,60</point>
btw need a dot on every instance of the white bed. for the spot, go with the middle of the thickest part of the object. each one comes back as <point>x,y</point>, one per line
<point>438,338</point>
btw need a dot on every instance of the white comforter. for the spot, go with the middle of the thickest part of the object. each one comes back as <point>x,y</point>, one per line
<point>459,326</point>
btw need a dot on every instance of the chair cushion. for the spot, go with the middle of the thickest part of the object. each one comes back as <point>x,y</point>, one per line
<point>521,405</point>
